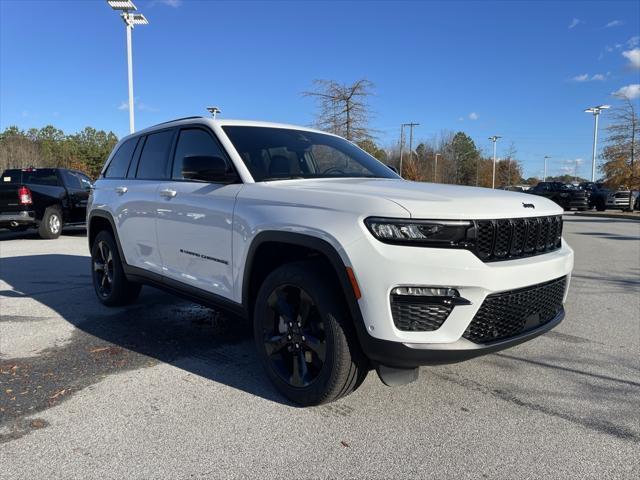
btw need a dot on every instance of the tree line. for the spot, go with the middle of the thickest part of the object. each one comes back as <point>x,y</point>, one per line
<point>49,146</point>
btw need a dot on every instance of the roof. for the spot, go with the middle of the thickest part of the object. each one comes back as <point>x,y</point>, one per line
<point>224,122</point>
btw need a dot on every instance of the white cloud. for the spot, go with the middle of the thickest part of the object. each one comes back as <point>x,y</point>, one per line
<point>574,23</point>
<point>168,3</point>
<point>473,116</point>
<point>461,119</point>
<point>633,42</point>
<point>571,166</point>
<point>633,56</point>
<point>585,77</point>
<point>613,23</point>
<point>630,91</point>
<point>141,107</point>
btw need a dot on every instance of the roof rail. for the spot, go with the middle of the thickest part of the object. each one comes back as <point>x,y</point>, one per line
<point>177,120</point>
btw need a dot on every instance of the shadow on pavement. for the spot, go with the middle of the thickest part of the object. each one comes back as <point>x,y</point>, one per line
<point>159,327</point>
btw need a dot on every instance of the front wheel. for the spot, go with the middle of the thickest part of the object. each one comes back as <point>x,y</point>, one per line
<point>109,281</point>
<point>600,206</point>
<point>304,335</point>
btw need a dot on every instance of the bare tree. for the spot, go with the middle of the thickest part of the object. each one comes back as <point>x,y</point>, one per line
<point>343,109</point>
<point>620,167</point>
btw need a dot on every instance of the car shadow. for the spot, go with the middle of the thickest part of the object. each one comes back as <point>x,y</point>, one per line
<point>159,327</point>
<point>32,233</point>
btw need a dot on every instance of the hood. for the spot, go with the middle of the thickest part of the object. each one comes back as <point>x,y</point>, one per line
<point>434,200</point>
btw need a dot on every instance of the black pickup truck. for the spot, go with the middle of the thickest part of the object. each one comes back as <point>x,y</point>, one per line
<point>564,194</point>
<point>46,198</point>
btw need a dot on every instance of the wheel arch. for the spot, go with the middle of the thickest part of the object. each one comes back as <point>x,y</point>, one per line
<point>102,220</point>
<point>296,243</point>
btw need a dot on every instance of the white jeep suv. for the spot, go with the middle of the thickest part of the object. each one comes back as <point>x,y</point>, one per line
<point>341,265</point>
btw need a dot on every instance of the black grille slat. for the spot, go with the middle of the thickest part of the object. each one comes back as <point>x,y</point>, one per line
<point>503,238</point>
<point>507,314</point>
<point>495,240</point>
<point>414,315</point>
<point>519,236</point>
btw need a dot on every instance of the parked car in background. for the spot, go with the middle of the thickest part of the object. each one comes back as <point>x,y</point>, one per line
<point>566,195</point>
<point>46,198</point>
<point>602,198</point>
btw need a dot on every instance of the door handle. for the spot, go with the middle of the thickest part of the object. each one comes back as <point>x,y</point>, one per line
<point>168,193</point>
<point>121,190</point>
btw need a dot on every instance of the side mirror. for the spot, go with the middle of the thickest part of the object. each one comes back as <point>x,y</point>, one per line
<point>393,168</point>
<point>205,168</point>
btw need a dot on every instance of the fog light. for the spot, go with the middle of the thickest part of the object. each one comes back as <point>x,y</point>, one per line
<point>425,292</point>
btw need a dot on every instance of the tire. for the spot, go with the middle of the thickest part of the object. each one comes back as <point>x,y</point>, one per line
<point>50,226</point>
<point>109,281</point>
<point>600,206</point>
<point>323,348</point>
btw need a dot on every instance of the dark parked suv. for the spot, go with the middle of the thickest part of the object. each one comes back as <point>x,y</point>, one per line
<point>564,194</point>
<point>46,198</point>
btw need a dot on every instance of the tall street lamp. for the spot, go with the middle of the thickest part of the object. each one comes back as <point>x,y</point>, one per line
<point>435,167</point>
<point>544,176</point>
<point>596,113</point>
<point>494,139</point>
<point>130,19</point>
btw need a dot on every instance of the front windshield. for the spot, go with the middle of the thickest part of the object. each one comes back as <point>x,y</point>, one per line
<point>282,153</point>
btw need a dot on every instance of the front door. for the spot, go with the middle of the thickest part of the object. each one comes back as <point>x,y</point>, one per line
<point>195,220</point>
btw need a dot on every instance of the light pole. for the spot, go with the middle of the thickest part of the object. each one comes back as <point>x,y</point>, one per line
<point>401,145</point>
<point>130,19</point>
<point>596,113</point>
<point>494,139</point>
<point>435,167</point>
<point>544,176</point>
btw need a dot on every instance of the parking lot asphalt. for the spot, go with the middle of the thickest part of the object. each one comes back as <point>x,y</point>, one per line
<point>168,389</point>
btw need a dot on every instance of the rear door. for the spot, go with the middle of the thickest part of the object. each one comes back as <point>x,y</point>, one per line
<point>137,211</point>
<point>195,220</point>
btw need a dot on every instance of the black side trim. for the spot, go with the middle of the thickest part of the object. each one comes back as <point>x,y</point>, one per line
<point>169,285</point>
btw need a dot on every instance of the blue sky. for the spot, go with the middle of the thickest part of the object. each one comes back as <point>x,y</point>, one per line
<point>522,70</point>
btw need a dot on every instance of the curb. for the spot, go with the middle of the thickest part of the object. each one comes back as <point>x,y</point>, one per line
<point>621,216</point>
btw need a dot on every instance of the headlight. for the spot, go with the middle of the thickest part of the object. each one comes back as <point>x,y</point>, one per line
<point>428,233</point>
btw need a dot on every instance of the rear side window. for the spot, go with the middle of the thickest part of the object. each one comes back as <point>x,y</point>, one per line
<point>194,141</point>
<point>155,156</point>
<point>43,176</point>
<point>120,161</point>
<point>71,179</point>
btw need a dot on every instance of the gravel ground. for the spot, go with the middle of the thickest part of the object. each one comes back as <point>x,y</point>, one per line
<point>167,389</point>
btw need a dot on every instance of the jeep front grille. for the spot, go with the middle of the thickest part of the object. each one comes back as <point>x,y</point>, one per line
<point>505,239</point>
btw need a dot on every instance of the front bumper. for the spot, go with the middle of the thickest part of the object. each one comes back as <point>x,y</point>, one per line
<point>26,217</point>
<point>411,355</point>
<point>381,267</point>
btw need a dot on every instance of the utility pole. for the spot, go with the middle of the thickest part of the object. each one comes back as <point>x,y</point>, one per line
<point>435,167</point>
<point>544,176</point>
<point>596,113</point>
<point>410,125</point>
<point>494,139</point>
<point>401,146</point>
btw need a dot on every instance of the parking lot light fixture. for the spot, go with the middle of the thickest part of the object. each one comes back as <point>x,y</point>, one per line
<point>596,113</point>
<point>494,139</point>
<point>544,176</point>
<point>130,19</point>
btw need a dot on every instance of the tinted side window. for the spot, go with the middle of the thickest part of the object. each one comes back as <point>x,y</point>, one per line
<point>45,176</point>
<point>194,142</point>
<point>120,161</point>
<point>155,155</point>
<point>71,179</point>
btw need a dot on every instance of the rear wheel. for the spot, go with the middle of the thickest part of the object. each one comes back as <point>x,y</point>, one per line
<point>51,224</point>
<point>600,206</point>
<point>109,281</point>
<point>304,335</point>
